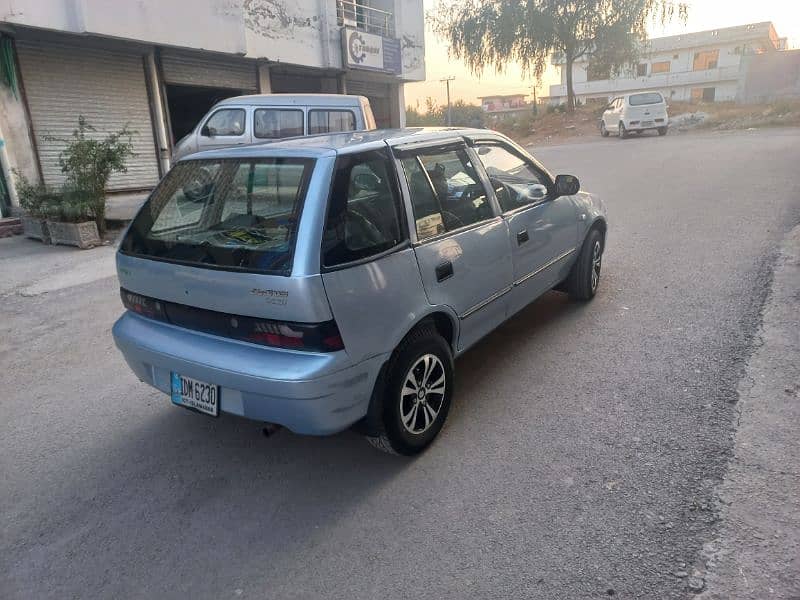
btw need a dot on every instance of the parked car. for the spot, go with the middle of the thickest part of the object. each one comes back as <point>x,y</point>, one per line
<point>635,113</point>
<point>263,117</point>
<point>323,282</point>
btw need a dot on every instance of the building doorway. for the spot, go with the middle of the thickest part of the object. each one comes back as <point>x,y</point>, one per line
<point>188,103</point>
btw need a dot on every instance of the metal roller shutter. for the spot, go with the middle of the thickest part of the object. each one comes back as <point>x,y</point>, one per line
<point>368,88</point>
<point>107,87</point>
<point>182,68</point>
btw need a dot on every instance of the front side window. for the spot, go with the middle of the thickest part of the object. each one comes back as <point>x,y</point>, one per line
<point>330,121</point>
<point>363,211</point>
<point>238,214</point>
<point>445,191</point>
<point>515,181</point>
<point>228,121</point>
<point>272,124</point>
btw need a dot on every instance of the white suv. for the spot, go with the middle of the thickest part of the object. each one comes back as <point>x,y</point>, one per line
<point>635,113</point>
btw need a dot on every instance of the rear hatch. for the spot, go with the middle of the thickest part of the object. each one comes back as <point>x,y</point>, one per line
<point>647,108</point>
<point>212,250</point>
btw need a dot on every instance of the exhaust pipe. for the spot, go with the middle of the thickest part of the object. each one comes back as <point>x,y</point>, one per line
<point>270,429</point>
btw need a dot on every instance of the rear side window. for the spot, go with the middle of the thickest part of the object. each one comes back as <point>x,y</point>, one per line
<point>234,214</point>
<point>271,123</point>
<point>363,211</point>
<point>228,121</point>
<point>330,121</point>
<point>647,98</point>
<point>446,192</point>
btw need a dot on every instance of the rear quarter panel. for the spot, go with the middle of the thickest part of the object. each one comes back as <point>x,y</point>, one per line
<point>376,304</point>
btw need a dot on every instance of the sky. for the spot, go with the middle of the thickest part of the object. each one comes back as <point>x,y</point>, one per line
<point>703,14</point>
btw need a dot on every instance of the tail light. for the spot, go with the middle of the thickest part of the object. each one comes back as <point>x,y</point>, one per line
<point>314,337</point>
<point>322,337</point>
<point>142,305</point>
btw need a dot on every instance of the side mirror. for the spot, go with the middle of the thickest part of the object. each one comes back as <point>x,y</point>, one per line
<point>566,185</point>
<point>207,131</point>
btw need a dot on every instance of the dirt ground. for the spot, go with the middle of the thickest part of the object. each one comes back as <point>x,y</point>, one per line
<point>560,128</point>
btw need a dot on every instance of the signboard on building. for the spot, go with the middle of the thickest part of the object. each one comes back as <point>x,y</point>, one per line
<point>371,52</point>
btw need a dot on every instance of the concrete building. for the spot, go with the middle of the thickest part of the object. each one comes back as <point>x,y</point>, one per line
<point>504,104</point>
<point>159,66</point>
<point>691,67</point>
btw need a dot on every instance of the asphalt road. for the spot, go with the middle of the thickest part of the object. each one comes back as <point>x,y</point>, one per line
<point>579,459</point>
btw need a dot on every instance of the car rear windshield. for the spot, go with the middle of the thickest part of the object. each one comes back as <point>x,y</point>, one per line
<point>231,214</point>
<point>642,99</point>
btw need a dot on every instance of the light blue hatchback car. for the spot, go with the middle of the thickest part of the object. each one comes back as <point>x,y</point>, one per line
<point>329,281</point>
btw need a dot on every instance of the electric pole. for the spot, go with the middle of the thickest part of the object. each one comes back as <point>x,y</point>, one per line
<point>447,81</point>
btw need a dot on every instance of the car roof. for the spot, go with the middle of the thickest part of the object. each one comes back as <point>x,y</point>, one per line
<point>342,143</point>
<point>629,94</point>
<point>293,100</point>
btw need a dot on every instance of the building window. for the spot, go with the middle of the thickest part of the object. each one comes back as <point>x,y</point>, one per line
<point>641,70</point>
<point>705,59</point>
<point>661,67</point>
<point>703,94</point>
<point>597,72</point>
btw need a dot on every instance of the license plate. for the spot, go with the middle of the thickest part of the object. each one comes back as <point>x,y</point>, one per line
<point>647,123</point>
<point>197,395</point>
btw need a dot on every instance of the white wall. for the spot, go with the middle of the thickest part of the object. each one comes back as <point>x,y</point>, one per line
<point>299,32</point>
<point>215,25</point>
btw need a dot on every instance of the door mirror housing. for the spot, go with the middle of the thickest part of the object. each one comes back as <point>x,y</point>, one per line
<point>566,185</point>
<point>207,131</point>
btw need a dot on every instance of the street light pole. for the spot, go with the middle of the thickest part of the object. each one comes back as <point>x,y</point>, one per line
<point>447,81</point>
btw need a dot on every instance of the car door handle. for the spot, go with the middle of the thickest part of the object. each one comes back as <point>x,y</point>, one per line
<point>444,271</point>
<point>522,237</point>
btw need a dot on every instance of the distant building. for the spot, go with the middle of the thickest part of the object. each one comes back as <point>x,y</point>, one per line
<point>504,104</point>
<point>692,67</point>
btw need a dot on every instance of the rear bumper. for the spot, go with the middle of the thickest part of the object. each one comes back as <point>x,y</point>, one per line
<point>309,393</point>
<point>641,126</point>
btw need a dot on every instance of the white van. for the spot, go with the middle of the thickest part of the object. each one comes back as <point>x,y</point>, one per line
<point>245,120</point>
<point>635,113</point>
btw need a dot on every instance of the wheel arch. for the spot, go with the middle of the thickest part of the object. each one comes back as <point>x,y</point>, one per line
<point>445,322</point>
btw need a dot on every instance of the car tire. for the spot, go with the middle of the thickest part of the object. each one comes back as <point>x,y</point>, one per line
<point>410,421</point>
<point>662,131</point>
<point>623,133</point>
<point>603,130</point>
<point>584,277</point>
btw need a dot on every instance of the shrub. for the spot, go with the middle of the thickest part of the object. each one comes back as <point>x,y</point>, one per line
<point>33,197</point>
<point>72,205</point>
<point>87,164</point>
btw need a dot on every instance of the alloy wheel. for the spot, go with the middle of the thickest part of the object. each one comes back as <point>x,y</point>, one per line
<point>597,258</point>
<point>422,394</point>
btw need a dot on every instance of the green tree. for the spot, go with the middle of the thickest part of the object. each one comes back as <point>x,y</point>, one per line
<point>496,32</point>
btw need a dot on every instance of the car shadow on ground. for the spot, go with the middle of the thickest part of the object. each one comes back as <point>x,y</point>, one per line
<point>497,355</point>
